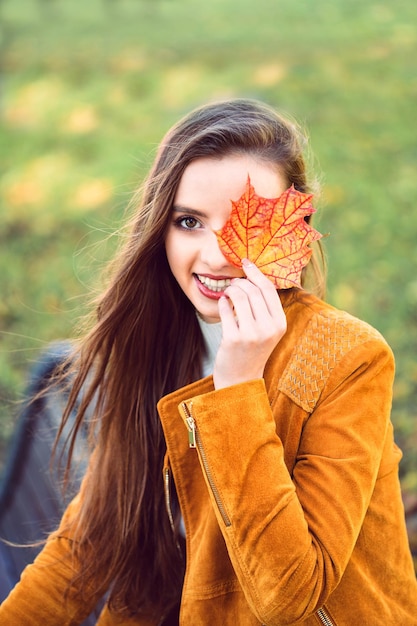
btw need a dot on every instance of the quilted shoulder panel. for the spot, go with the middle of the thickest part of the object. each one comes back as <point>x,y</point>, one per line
<point>324,342</point>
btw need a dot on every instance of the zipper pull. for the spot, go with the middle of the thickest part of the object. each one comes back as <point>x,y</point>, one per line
<point>190,424</point>
<point>191,431</point>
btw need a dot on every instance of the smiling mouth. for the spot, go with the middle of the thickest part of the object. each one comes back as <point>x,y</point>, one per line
<point>214,285</point>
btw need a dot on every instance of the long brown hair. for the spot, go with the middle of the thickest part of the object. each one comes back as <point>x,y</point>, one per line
<point>145,342</point>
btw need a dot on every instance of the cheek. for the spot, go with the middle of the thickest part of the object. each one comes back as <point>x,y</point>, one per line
<point>178,251</point>
<point>172,240</point>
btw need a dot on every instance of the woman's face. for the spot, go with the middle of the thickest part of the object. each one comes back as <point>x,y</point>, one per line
<point>202,205</point>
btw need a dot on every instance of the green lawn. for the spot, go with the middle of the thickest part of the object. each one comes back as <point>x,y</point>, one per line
<point>88,89</point>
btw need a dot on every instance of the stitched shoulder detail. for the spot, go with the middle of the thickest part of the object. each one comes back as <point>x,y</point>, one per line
<point>324,342</point>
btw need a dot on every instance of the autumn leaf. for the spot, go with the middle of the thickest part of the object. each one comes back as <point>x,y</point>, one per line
<point>272,233</point>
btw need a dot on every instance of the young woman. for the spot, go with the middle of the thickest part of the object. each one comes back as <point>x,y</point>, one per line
<point>244,470</point>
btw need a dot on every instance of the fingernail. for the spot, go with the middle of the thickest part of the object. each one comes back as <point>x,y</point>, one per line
<point>247,263</point>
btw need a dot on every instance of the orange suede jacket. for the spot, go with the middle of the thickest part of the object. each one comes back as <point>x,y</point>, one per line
<point>290,497</point>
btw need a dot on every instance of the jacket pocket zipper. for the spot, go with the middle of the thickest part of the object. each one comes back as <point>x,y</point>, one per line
<point>167,477</point>
<point>168,497</point>
<point>194,441</point>
<point>324,617</point>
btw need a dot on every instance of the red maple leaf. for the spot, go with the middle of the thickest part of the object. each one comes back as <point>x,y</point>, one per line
<point>272,233</point>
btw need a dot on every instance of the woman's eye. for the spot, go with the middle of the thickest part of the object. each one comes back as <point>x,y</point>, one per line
<point>188,223</point>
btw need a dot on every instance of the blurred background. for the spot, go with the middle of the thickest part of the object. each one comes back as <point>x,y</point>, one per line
<point>89,88</point>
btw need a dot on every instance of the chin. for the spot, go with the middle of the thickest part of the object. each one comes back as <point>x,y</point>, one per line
<point>211,317</point>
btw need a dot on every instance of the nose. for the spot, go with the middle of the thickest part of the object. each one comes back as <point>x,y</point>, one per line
<point>210,253</point>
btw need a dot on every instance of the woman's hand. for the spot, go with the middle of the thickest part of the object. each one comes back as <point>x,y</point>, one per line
<point>253,322</point>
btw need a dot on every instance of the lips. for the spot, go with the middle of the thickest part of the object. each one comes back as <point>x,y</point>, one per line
<point>212,288</point>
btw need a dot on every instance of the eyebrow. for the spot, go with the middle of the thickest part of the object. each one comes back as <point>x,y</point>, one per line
<point>183,209</point>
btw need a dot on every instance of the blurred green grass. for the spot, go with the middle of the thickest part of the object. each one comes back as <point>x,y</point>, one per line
<point>89,88</point>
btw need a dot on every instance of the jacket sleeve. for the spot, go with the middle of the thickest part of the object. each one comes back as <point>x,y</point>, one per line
<point>290,537</point>
<point>40,596</point>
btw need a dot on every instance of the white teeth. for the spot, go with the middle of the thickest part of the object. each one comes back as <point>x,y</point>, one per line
<point>214,285</point>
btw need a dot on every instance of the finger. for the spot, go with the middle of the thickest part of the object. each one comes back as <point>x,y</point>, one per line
<point>227,316</point>
<point>243,304</point>
<point>271,296</point>
<point>247,296</point>
<point>255,275</point>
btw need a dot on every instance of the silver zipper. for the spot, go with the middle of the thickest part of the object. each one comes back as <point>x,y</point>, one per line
<point>194,441</point>
<point>324,618</point>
